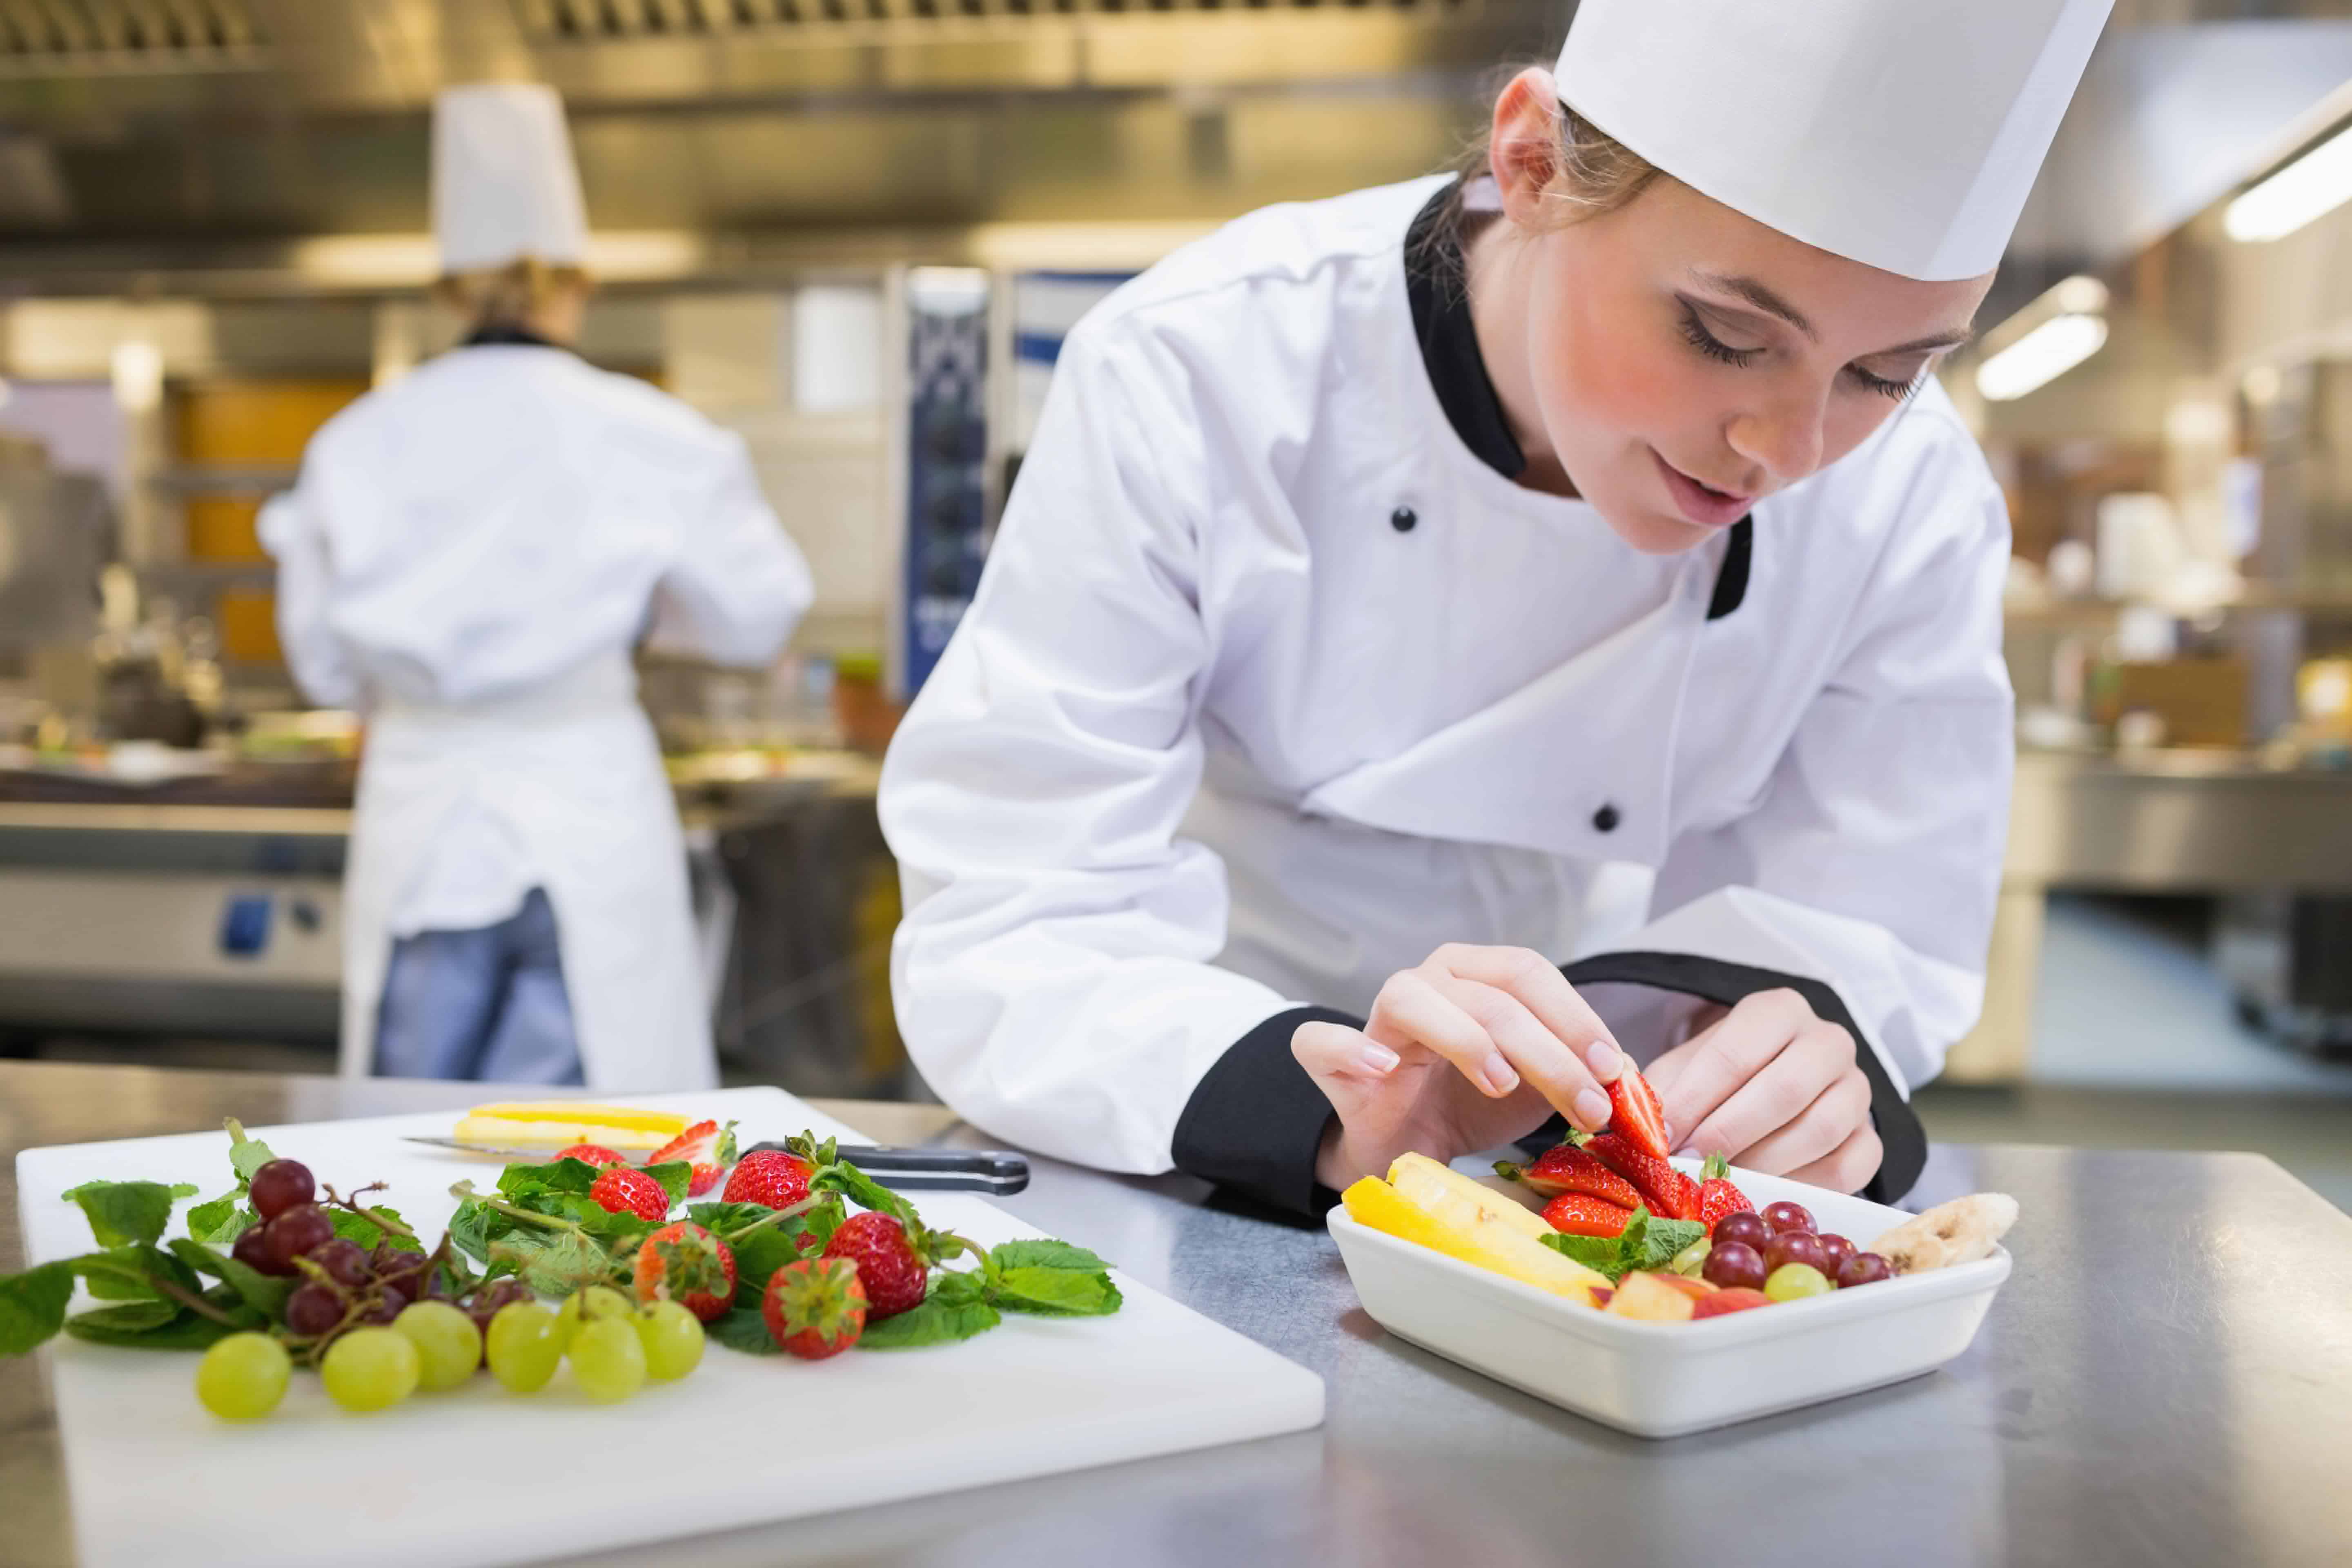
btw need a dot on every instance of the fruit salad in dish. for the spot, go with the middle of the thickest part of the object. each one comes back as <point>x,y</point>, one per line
<point>1624,1231</point>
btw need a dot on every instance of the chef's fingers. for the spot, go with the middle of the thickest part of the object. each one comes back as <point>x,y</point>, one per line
<point>1818,1129</point>
<point>1796,1071</point>
<point>1848,1167</point>
<point>1333,1053</point>
<point>1537,1055</point>
<point>1717,1063</point>
<point>1411,1011</point>
<point>1545,992</point>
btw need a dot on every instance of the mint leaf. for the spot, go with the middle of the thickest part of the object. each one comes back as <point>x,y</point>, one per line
<point>760,1256</point>
<point>934,1323</point>
<point>120,1213</point>
<point>864,1191</point>
<point>184,1332</point>
<point>720,1218</point>
<point>127,1273</point>
<point>474,1226</point>
<point>32,1306</point>
<point>1057,1292</point>
<point>179,1190</point>
<point>133,1317</point>
<point>822,1221</point>
<point>743,1329</point>
<point>675,1177</point>
<point>1042,1253</point>
<point>247,1155</point>
<point>264,1293</point>
<point>360,1228</point>
<point>555,1263</point>
<point>955,1289</point>
<point>564,1175</point>
<point>1616,1256</point>
<point>1667,1237</point>
<point>219,1222</point>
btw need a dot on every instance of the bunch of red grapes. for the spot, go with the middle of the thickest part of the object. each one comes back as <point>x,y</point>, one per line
<point>345,1285</point>
<point>1746,1249</point>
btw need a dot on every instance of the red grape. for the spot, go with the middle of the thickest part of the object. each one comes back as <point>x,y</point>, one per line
<point>1733,1264</point>
<point>402,1272</point>
<point>279,1186</point>
<point>1838,1249</point>
<point>490,1298</point>
<point>1745,1228</point>
<point>1785,1216</point>
<point>1864,1269</point>
<point>345,1261</point>
<point>386,1309</point>
<point>294,1234</point>
<point>252,1250</point>
<point>313,1309</point>
<point>1795,1246</point>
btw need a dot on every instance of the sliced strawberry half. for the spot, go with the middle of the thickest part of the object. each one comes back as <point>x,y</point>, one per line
<point>708,1147</point>
<point>1716,1195</point>
<point>1636,1115</point>
<point>1665,1190</point>
<point>1582,1213</point>
<point>1568,1169</point>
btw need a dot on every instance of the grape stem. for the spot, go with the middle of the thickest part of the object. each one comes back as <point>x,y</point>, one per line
<point>513,1210</point>
<point>376,1217</point>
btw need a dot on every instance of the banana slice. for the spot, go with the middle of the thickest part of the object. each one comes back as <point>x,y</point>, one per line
<point>1962,1231</point>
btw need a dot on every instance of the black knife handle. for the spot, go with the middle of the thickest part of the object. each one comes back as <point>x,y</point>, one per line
<point>934,1170</point>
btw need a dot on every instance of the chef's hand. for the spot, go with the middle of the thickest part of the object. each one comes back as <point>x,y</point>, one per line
<point>1474,1047</point>
<point>1772,1089</point>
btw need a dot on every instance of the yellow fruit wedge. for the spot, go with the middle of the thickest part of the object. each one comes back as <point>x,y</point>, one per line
<point>557,1123</point>
<point>1441,1189</point>
<point>1459,1227</point>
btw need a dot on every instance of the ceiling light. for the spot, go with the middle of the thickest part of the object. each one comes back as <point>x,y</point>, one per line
<point>413,260</point>
<point>2317,182</point>
<point>2042,355</point>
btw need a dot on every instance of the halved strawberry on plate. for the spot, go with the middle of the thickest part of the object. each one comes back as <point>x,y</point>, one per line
<point>708,1147</point>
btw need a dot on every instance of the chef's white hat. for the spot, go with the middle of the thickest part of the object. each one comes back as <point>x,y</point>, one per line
<point>1902,134</point>
<point>504,186</point>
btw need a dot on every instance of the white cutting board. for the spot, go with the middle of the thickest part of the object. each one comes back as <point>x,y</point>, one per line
<point>479,1475</point>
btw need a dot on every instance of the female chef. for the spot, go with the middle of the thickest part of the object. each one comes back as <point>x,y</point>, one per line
<point>1408,591</point>
<point>470,557</point>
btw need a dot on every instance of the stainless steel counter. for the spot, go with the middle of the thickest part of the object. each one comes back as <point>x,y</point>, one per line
<point>2165,1380</point>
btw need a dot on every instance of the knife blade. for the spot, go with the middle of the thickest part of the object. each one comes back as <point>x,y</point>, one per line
<point>915,1170</point>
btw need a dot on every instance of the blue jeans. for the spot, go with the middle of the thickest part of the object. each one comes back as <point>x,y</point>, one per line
<point>485,1004</point>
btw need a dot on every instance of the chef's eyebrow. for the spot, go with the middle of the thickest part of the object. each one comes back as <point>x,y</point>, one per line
<point>1772,304</point>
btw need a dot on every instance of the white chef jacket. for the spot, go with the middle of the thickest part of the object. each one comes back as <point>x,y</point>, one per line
<point>1272,686</point>
<point>469,556</point>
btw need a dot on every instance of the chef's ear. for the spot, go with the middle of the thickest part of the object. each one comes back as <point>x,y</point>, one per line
<point>1524,148</point>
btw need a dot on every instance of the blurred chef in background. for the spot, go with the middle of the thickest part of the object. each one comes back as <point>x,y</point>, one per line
<point>469,558</point>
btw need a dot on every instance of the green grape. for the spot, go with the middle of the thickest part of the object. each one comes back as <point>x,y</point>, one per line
<point>673,1340</point>
<point>1795,1281</point>
<point>585,1305</point>
<point>244,1376</point>
<point>608,1360</point>
<point>370,1368</point>
<point>526,1345</point>
<point>448,1346</point>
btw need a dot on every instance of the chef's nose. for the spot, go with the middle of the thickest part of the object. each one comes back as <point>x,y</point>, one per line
<point>1784,437</point>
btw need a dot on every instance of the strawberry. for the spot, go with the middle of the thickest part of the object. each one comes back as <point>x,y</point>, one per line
<point>1636,1115</point>
<point>1716,1195</point>
<point>594,1153</point>
<point>1667,1191</point>
<point>768,1177</point>
<point>625,1190</point>
<point>1568,1169</point>
<point>1582,1213</point>
<point>706,1146</point>
<point>686,1263</point>
<point>814,1307</point>
<point>894,1274</point>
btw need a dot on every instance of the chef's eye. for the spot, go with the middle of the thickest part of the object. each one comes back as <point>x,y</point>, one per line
<point>1884,386</point>
<point>1695,332</point>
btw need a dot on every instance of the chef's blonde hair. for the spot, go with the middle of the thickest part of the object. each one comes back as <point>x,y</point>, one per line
<point>1597,174</point>
<point>509,298</point>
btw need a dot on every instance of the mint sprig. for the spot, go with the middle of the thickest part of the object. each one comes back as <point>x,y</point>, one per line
<point>1647,1242</point>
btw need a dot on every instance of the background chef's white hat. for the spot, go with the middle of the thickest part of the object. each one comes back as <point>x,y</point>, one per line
<point>1902,134</point>
<point>504,185</point>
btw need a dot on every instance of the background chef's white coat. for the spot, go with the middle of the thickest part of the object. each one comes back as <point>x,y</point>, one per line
<point>1215,740</point>
<point>469,556</point>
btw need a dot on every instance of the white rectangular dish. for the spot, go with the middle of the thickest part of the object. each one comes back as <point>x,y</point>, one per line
<point>1663,1380</point>
<point>480,1476</point>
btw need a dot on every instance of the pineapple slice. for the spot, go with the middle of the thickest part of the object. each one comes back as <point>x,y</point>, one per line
<point>1459,1227</point>
<point>1440,1188</point>
<point>556,1124</point>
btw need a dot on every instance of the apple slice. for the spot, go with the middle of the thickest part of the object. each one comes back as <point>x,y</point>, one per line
<point>1650,1299</point>
<point>1737,1298</point>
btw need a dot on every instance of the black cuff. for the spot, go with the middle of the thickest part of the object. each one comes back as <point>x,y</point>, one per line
<point>1904,1140</point>
<point>1255,1121</point>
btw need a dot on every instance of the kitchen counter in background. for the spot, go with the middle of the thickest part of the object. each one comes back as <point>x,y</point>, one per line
<point>2163,1381</point>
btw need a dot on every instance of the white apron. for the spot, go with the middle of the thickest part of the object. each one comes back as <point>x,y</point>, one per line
<point>574,774</point>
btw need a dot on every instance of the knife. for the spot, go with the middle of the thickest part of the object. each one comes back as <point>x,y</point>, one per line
<point>989,1170</point>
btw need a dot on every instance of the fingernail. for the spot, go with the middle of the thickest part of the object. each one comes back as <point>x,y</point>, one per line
<point>1499,1076</point>
<point>1376,1058</point>
<point>1592,1109</point>
<point>1602,1057</point>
